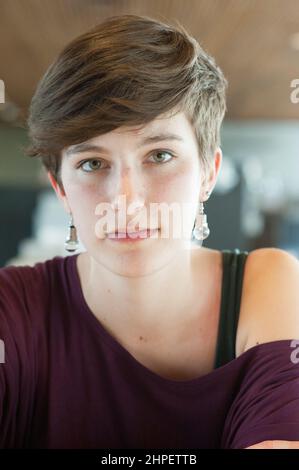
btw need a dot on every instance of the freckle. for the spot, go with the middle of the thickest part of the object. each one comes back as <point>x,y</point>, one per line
<point>257,343</point>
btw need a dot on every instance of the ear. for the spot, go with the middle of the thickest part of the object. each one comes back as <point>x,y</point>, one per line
<point>211,177</point>
<point>59,192</point>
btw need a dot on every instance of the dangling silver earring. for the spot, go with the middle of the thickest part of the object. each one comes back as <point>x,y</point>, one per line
<point>71,242</point>
<point>201,229</point>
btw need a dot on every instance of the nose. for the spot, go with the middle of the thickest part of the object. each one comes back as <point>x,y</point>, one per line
<point>128,185</point>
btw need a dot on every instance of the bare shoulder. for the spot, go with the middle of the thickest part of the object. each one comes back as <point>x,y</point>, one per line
<point>270,297</point>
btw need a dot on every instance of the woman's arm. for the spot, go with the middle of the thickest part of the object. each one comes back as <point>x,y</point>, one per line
<point>275,445</point>
<point>275,312</point>
<point>272,301</point>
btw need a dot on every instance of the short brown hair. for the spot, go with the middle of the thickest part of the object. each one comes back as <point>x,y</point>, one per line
<point>126,70</point>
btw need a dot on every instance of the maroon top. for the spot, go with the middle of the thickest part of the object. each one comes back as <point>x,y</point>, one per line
<point>67,383</point>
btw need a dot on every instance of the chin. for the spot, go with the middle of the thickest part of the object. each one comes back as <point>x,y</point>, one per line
<point>133,263</point>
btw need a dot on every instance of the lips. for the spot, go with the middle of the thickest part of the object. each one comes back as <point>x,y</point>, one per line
<point>132,236</point>
<point>126,232</point>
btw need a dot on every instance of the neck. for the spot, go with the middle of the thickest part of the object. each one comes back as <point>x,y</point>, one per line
<point>156,302</point>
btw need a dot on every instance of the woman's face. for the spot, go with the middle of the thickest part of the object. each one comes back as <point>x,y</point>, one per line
<point>130,165</point>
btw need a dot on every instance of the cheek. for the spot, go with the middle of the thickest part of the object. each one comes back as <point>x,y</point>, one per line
<point>83,200</point>
<point>79,201</point>
<point>82,195</point>
<point>183,185</point>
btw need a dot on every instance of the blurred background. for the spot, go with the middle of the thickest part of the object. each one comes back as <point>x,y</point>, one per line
<point>255,202</point>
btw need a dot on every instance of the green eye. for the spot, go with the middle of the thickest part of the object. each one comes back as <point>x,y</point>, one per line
<point>161,152</point>
<point>90,165</point>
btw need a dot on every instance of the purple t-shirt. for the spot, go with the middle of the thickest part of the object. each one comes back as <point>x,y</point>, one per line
<point>67,383</point>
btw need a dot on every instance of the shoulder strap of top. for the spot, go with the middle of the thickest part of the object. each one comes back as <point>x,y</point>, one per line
<point>233,262</point>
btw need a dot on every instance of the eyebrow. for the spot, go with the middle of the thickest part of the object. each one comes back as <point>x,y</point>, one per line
<point>88,147</point>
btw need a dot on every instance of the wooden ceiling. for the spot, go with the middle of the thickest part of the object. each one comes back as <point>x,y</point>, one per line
<point>255,42</point>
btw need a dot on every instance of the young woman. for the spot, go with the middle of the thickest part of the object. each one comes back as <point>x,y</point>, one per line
<point>146,339</point>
